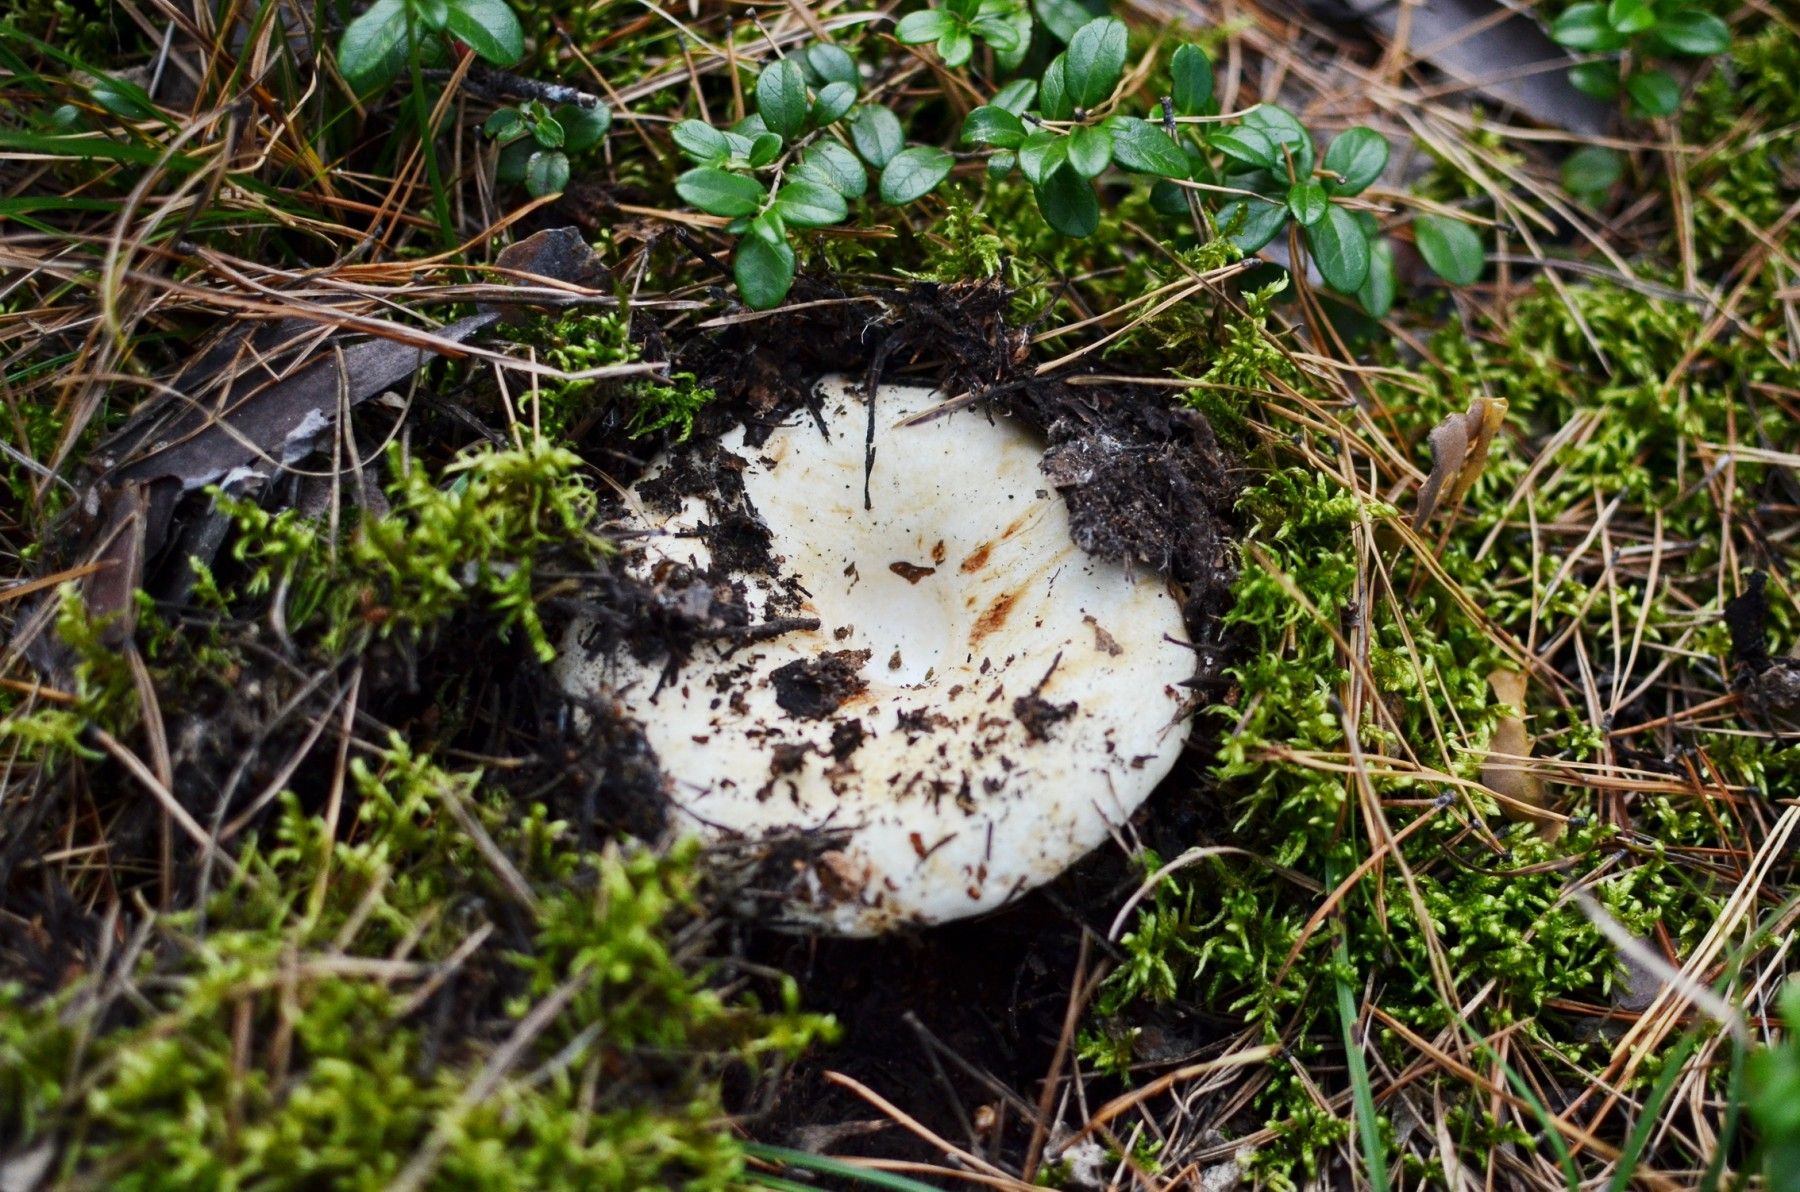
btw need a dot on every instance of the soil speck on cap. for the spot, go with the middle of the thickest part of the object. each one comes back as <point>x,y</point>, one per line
<point>1103,640</point>
<point>815,688</point>
<point>912,573</point>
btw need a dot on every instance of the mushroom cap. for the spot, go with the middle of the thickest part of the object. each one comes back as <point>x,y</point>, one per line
<point>980,705</point>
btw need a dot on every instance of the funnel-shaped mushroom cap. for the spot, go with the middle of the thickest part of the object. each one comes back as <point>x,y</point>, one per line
<point>980,704</point>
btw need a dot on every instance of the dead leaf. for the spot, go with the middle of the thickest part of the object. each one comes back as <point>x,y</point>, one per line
<point>1459,452</point>
<point>1518,787</point>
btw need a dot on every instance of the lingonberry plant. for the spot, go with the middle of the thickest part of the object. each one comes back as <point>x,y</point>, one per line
<point>1637,30</point>
<point>810,139</point>
<point>536,141</point>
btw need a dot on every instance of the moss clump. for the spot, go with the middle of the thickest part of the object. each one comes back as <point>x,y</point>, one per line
<point>295,1032</point>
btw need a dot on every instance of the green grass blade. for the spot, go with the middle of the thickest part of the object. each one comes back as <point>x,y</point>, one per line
<point>824,1165</point>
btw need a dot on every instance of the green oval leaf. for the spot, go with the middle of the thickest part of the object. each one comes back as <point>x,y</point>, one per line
<point>917,28</point>
<point>583,127</point>
<point>1379,289</point>
<point>764,271</point>
<point>1142,146</point>
<point>1068,203</point>
<point>956,47</point>
<point>832,64</point>
<point>1001,164</point>
<point>1251,223</point>
<point>717,192</point>
<point>763,150</point>
<point>833,101</point>
<point>1630,16</point>
<point>1452,248</point>
<point>702,142</point>
<point>511,166</point>
<point>1090,150</point>
<point>1096,59</point>
<point>806,204</point>
<point>835,166</point>
<point>489,28</point>
<point>1053,93</point>
<point>913,172</point>
<point>991,124</point>
<point>1357,156</point>
<point>547,173</point>
<point>1308,201</point>
<point>1339,248</point>
<point>1654,92</point>
<point>1599,80</point>
<point>1016,96</point>
<point>373,45</point>
<point>1591,171</point>
<point>781,98</point>
<point>1192,92</point>
<point>877,135</point>
<point>1064,18</point>
<point>1251,146</point>
<point>1041,155</point>
<point>1280,126</point>
<point>1584,27</point>
<point>1694,32</point>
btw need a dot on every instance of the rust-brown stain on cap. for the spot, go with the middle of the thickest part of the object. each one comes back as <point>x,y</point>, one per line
<point>993,616</point>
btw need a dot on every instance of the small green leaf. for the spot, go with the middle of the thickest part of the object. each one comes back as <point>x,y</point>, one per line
<point>1339,248</point>
<point>1251,146</point>
<point>1193,81</point>
<point>504,125</point>
<point>764,272</point>
<point>781,98</point>
<point>1068,203</point>
<point>373,45</point>
<point>956,47</point>
<point>1591,171</point>
<point>877,135</point>
<point>1599,80</point>
<point>832,64</point>
<point>547,131</point>
<point>717,192</point>
<point>833,101</point>
<point>489,28</point>
<point>1691,31</point>
<point>763,150</point>
<point>1630,16</point>
<point>583,127</point>
<point>1000,33</point>
<point>1252,223</point>
<point>1379,289</point>
<point>1001,164</point>
<point>432,14</point>
<point>835,166</point>
<point>511,166</point>
<point>1357,156</point>
<point>917,28</point>
<point>1142,146</point>
<point>991,124</point>
<point>1042,154</point>
<point>1016,96</point>
<point>547,173</point>
<point>806,204</point>
<point>1095,62</point>
<point>702,142</point>
<point>1584,27</point>
<point>1307,200</point>
<point>1090,150</point>
<point>1452,248</point>
<point>912,173</point>
<point>1064,18</point>
<point>769,225</point>
<point>1053,92</point>
<point>1280,126</point>
<point>1654,92</point>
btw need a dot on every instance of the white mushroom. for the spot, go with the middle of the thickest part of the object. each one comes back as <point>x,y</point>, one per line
<point>980,704</point>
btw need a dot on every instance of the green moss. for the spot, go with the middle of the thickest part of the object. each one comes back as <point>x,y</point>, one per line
<point>280,1040</point>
